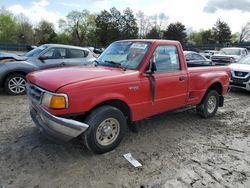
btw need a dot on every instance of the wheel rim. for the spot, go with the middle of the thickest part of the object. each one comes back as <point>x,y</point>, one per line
<point>17,85</point>
<point>107,131</point>
<point>211,104</point>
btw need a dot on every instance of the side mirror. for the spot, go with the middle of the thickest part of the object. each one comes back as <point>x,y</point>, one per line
<point>43,57</point>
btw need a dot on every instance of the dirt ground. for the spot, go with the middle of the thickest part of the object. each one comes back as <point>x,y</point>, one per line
<point>177,149</point>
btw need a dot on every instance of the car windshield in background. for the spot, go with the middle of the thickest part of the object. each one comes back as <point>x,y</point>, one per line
<point>230,51</point>
<point>36,51</point>
<point>124,54</point>
<point>245,60</point>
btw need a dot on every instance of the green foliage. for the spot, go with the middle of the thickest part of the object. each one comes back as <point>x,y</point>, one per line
<point>102,27</point>
<point>153,34</point>
<point>8,26</point>
<point>62,38</point>
<point>129,27</point>
<point>245,33</point>
<point>83,28</point>
<point>113,25</point>
<point>201,37</point>
<point>222,32</point>
<point>45,32</point>
<point>176,31</point>
<point>24,31</point>
<point>80,25</point>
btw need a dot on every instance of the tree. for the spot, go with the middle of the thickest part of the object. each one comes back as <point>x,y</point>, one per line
<point>79,25</point>
<point>176,31</point>
<point>144,24</point>
<point>113,25</point>
<point>45,32</point>
<point>129,26</point>
<point>150,23</point>
<point>245,32</point>
<point>153,34</point>
<point>207,37</point>
<point>24,30</point>
<point>7,26</point>
<point>194,38</point>
<point>222,32</point>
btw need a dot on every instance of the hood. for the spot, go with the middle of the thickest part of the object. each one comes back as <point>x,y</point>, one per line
<point>53,79</point>
<point>8,57</point>
<point>12,62</point>
<point>240,67</point>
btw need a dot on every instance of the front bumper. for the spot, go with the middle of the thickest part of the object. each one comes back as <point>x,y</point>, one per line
<point>242,81</point>
<point>241,85</point>
<point>55,127</point>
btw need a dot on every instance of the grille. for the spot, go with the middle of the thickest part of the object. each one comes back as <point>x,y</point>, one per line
<point>240,80</point>
<point>34,92</point>
<point>240,74</point>
<point>221,59</point>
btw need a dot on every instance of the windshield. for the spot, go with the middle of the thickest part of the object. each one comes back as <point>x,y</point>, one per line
<point>230,51</point>
<point>245,60</point>
<point>36,51</point>
<point>125,54</point>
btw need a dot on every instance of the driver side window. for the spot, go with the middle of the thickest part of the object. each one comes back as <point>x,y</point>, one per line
<point>55,53</point>
<point>166,59</point>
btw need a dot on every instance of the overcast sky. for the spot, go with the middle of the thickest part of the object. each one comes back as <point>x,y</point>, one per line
<point>195,14</point>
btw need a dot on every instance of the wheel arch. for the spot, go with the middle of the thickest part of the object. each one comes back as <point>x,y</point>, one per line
<point>119,104</point>
<point>217,86</point>
<point>10,73</point>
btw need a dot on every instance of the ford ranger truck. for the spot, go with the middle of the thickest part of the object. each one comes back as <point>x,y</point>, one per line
<point>131,80</point>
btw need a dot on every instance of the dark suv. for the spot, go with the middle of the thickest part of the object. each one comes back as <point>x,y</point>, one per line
<point>13,69</point>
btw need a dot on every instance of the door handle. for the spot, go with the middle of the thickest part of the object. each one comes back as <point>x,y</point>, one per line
<point>63,64</point>
<point>182,78</point>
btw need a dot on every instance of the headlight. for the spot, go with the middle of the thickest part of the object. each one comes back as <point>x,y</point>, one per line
<point>55,101</point>
<point>232,60</point>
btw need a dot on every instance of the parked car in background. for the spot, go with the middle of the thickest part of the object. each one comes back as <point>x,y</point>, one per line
<point>13,68</point>
<point>240,74</point>
<point>195,59</point>
<point>96,51</point>
<point>229,55</point>
<point>209,53</point>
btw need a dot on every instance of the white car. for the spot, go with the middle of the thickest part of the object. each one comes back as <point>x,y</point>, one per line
<point>229,55</point>
<point>240,74</point>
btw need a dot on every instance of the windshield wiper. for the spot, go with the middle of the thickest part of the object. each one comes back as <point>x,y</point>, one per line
<point>116,64</point>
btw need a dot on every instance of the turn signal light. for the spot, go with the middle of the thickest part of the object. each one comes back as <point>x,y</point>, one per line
<point>57,102</point>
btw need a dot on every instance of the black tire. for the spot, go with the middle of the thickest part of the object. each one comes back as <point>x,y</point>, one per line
<point>20,89</point>
<point>104,115</point>
<point>205,109</point>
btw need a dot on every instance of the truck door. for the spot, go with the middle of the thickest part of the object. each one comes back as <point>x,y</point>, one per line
<point>170,81</point>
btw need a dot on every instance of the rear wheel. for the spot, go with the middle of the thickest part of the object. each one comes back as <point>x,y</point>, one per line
<point>209,104</point>
<point>15,84</point>
<point>106,129</point>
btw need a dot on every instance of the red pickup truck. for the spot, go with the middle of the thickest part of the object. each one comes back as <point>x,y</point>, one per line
<point>131,80</point>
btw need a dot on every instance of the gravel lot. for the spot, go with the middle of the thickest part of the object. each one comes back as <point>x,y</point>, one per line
<point>177,149</point>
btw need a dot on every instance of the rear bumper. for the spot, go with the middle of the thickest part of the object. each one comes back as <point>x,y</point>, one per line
<point>55,127</point>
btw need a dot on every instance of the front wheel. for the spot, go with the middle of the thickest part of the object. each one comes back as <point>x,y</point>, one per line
<point>106,129</point>
<point>209,105</point>
<point>15,84</point>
